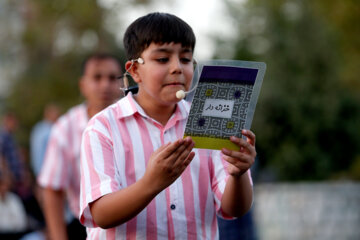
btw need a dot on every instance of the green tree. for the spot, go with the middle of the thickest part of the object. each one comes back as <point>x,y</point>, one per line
<point>56,37</point>
<point>306,115</point>
<point>343,16</point>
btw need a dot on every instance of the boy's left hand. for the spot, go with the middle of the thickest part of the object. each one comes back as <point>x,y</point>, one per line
<point>241,160</point>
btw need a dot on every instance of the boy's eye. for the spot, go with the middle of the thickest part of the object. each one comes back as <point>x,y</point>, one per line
<point>112,77</point>
<point>162,60</point>
<point>97,77</point>
<point>185,60</point>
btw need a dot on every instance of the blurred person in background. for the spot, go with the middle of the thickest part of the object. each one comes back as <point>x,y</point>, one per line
<point>40,135</point>
<point>14,158</point>
<point>60,174</point>
<point>13,221</point>
<point>9,149</point>
<point>38,142</point>
<point>15,183</point>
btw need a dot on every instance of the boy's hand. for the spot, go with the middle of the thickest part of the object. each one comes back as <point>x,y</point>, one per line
<point>168,162</point>
<point>241,160</point>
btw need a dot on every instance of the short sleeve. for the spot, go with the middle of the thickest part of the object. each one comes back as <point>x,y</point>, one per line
<point>98,169</point>
<point>54,172</point>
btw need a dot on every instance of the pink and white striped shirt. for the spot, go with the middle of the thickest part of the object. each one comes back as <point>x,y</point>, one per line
<point>61,166</point>
<point>116,147</point>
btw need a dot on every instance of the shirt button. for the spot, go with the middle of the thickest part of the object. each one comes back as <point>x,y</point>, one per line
<point>172,206</point>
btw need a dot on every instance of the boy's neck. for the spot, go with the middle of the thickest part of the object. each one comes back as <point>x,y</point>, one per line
<point>160,113</point>
<point>92,110</point>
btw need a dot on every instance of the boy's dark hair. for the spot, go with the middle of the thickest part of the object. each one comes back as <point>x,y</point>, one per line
<point>156,28</point>
<point>98,56</point>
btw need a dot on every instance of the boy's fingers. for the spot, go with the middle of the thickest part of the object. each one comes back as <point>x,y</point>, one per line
<point>241,161</point>
<point>162,147</point>
<point>170,148</point>
<point>229,154</point>
<point>189,158</point>
<point>250,153</point>
<point>161,150</point>
<point>243,144</point>
<point>185,153</point>
<point>180,155</point>
<point>180,147</point>
<point>250,136</point>
<point>241,166</point>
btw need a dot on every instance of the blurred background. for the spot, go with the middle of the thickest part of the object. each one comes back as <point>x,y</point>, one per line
<point>307,119</point>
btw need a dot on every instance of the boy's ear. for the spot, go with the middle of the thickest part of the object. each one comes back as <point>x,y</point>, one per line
<point>133,70</point>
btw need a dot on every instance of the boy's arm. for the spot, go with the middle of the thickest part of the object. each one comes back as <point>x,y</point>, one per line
<point>53,201</point>
<point>165,166</point>
<point>238,194</point>
<point>54,162</point>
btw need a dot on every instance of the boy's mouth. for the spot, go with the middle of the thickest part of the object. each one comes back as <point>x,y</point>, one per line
<point>174,84</point>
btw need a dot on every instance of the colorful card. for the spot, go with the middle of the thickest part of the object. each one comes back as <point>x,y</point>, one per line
<point>224,101</point>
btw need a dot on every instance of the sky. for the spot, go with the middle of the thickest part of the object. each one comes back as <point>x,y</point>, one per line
<point>206,17</point>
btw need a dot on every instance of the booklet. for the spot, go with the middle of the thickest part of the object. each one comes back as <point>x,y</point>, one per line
<point>224,101</point>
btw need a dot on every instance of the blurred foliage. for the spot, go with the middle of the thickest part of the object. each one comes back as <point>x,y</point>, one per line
<point>344,16</point>
<point>308,113</point>
<point>55,39</point>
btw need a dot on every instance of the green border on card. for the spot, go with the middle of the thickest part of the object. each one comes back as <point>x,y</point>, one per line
<point>213,143</point>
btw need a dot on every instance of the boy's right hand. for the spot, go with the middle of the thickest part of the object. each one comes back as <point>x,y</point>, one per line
<point>168,162</point>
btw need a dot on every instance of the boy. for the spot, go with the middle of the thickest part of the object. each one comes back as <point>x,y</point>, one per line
<point>60,173</point>
<point>139,179</point>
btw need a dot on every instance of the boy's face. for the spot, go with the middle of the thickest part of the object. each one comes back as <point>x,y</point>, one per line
<point>168,68</point>
<point>99,84</point>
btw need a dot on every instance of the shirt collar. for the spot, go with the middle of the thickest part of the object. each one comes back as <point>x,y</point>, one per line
<point>129,107</point>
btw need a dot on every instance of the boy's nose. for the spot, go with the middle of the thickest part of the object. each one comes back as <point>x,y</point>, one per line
<point>105,83</point>
<point>176,66</point>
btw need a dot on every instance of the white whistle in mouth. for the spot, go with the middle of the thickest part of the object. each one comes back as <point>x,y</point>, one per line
<point>180,94</point>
